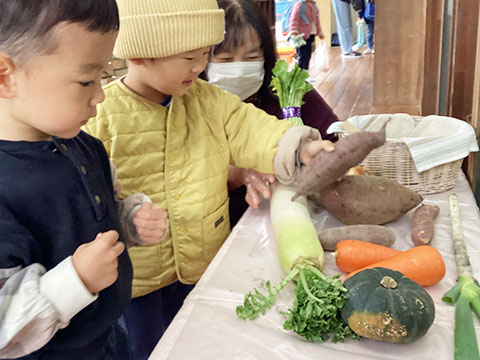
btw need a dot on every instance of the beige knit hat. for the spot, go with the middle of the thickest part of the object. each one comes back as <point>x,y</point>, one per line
<point>160,28</point>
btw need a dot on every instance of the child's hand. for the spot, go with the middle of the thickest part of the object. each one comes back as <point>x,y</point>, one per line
<point>310,149</point>
<point>96,262</point>
<point>257,183</point>
<point>151,223</point>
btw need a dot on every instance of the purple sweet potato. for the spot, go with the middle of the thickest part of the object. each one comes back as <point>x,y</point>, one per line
<point>423,224</point>
<point>327,167</point>
<point>366,199</point>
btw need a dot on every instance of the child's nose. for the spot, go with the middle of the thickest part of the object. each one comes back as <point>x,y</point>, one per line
<point>98,97</point>
<point>199,66</point>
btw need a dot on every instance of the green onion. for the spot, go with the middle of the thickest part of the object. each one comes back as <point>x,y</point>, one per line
<point>465,295</point>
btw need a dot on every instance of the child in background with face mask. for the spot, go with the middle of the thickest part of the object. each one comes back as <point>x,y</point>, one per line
<point>172,136</point>
<point>242,64</point>
<point>65,277</point>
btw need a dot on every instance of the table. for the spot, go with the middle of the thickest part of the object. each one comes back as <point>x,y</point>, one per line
<point>207,328</point>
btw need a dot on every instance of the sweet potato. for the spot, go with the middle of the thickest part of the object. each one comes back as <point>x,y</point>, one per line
<point>423,224</point>
<point>326,167</point>
<point>376,234</point>
<point>367,199</point>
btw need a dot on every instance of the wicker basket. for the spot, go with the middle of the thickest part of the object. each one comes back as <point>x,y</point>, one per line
<point>393,161</point>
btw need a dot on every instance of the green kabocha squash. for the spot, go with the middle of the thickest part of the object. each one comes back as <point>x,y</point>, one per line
<point>384,305</point>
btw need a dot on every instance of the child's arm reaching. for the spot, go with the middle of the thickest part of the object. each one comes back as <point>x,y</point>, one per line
<point>255,182</point>
<point>141,220</point>
<point>30,306</point>
<point>299,144</point>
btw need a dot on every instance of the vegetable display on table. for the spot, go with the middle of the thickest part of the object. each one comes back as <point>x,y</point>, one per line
<point>385,305</point>
<point>319,299</point>
<point>465,295</point>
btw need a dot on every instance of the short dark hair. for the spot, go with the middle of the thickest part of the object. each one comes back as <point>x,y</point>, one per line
<point>240,16</point>
<point>25,24</point>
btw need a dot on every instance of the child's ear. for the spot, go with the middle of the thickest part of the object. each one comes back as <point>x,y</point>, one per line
<point>7,67</point>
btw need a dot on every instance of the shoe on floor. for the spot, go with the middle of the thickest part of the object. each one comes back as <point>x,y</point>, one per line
<point>352,54</point>
<point>356,47</point>
<point>369,51</point>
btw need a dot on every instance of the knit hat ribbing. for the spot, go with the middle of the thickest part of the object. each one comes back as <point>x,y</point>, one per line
<point>160,28</point>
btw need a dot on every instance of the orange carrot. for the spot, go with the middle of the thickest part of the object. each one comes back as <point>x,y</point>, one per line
<point>356,254</point>
<point>422,264</point>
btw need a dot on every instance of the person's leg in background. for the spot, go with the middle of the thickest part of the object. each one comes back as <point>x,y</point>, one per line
<point>147,317</point>
<point>344,27</point>
<point>370,31</point>
<point>305,53</point>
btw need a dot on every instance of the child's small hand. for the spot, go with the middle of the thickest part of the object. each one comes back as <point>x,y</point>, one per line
<point>96,262</point>
<point>257,183</point>
<point>310,149</point>
<point>151,223</point>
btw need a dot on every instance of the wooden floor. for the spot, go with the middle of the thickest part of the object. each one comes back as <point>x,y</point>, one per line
<point>348,84</point>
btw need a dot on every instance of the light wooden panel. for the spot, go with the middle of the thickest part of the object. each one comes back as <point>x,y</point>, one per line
<point>399,53</point>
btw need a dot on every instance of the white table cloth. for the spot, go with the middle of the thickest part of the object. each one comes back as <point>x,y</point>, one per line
<point>206,327</point>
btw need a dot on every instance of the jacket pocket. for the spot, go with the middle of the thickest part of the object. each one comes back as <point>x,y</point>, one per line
<point>215,229</point>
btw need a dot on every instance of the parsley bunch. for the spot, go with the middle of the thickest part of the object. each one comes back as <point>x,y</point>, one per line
<point>317,309</point>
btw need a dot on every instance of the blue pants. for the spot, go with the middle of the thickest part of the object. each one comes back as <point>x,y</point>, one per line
<point>344,25</point>
<point>147,317</point>
<point>305,53</point>
<point>370,32</point>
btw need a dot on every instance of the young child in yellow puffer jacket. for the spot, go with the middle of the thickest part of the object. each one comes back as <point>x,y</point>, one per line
<point>172,137</point>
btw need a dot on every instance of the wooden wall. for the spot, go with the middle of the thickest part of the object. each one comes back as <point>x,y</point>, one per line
<point>399,55</point>
<point>433,56</point>
<point>464,35</point>
<point>474,158</point>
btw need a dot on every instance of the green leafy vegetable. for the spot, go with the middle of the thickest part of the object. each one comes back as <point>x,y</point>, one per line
<point>290,86</point>
<point>317,309</point>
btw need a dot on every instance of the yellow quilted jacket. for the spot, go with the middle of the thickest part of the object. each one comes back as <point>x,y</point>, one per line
<point>179,157</point>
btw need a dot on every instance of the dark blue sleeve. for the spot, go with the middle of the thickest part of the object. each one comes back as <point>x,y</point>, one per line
<point>17,245</point>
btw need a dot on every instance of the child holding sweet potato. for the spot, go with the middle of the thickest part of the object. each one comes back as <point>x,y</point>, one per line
<point>172,137</point>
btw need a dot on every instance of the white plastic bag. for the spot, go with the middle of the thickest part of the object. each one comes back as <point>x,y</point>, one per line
<point>321,56</point>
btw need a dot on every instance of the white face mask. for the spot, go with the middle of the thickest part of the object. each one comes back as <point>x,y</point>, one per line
<point>240,78</point>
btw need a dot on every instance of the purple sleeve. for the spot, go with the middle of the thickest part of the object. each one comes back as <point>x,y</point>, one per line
<point>317,114</point>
